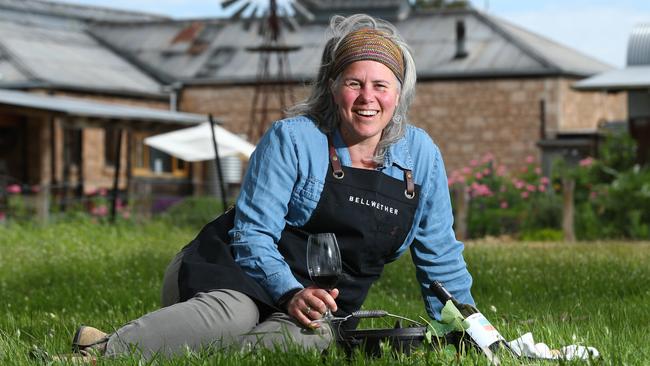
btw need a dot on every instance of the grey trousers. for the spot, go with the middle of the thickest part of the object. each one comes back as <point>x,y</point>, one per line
<point>218,319</point>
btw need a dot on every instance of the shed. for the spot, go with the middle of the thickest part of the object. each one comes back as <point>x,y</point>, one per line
<point>634,80</point>
<point>26,118</point>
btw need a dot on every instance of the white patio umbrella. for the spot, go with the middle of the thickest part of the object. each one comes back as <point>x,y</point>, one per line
<point>195,143</point>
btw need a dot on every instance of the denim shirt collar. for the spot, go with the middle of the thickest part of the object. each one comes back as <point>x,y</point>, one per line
<point>398,153</point>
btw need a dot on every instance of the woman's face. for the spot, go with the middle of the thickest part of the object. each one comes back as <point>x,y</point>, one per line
<point>366,95</point>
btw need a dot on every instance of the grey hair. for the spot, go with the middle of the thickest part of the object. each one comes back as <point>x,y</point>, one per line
<point>320,103</point>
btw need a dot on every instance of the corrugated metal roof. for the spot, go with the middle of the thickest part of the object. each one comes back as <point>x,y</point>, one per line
<point>92,109</point>
<point>158,46</point>
<point>638,47</point>
<point>69,58</point>
<point>82,12</point>
<point>635,76</point>
<point>495,48</point>
<point>629,78</point>
<point>391,10</point>
<point>9,71</point>
<point>565,59</point>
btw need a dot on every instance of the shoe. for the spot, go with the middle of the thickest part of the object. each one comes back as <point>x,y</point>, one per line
<point>89,338</point>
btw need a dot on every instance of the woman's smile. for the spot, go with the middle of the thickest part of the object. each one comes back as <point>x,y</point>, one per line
<point>366,94</point>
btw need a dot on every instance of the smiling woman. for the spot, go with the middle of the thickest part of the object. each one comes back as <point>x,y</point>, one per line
<point>366,94</point>
<point>346,163</point>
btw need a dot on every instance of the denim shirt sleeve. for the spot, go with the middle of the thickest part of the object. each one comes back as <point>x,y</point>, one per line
<point>436,253</point>
<point>261,210</point>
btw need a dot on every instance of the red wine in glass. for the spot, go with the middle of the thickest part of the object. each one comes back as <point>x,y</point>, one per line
<point>324,262</point>
<point>328,282</point>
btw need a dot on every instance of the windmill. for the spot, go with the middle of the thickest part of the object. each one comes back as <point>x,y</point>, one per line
<point>273,71</point>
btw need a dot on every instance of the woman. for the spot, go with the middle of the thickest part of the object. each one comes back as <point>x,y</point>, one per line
<point>348,163</point>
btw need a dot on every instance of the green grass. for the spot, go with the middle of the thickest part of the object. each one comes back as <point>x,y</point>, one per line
<point>56,277</point>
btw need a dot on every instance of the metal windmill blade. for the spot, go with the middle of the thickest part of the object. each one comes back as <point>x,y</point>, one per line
<point>287,14</point>
<point>272,93</point>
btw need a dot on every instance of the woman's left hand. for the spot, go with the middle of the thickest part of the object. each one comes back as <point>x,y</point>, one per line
<point>310,304</point>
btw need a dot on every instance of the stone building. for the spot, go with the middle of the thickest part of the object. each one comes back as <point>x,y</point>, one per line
<point>65,97</point>
<point>634,81</point>
<point>484,85</point>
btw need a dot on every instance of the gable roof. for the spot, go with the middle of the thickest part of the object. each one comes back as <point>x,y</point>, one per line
<point>94,110</point>
<point>45,44</point>
<point>48,44</point>
<point>553,54</point>
<point>58,12</point>
<point>215,51</point>
<point>391,10</point>
<point>635,76</point>
<point>37,55</point>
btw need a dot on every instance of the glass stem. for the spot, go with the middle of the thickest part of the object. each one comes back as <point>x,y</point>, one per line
<point>328,314</point>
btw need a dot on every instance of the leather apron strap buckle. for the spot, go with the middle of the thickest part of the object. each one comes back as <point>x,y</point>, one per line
<point>409,192</point>
<point>337,170</point>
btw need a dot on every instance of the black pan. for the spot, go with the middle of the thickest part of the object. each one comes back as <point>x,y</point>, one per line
<point>399,339</point>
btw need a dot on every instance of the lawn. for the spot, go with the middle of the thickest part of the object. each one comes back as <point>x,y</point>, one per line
<point>56,277</point>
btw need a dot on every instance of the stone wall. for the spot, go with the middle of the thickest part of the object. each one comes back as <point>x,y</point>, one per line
<point>96,173</point>
<point>585,110</point>
<point>232,104</point>
<point>467,119</point>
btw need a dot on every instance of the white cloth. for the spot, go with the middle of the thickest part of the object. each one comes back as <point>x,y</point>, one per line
<point>525,346</point>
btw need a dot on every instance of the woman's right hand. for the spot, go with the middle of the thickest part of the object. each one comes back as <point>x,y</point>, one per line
<point>311,303</point>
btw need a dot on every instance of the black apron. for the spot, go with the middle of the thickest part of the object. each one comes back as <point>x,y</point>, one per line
<point>370,212</point>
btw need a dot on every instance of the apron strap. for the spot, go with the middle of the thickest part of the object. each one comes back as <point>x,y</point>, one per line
<point>409,192</point>
<point>337,170</point>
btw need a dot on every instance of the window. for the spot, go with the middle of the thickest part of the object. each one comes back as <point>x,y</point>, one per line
<point>149,162</point>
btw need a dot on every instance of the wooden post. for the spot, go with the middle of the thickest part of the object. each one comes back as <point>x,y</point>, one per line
<point>217,162</point>
<point>116,176</point>
<point>142,200</point>
<point>129,168</point>
<point>461,198</point>
<point>568,188</point>
<point>42,201</point>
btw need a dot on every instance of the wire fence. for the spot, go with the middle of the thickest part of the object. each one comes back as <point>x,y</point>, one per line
<point>142,199</point>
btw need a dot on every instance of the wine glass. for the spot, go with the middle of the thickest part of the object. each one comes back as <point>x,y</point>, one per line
<point>324,263</point>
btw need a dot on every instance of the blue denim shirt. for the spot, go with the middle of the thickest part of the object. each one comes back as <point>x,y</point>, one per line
<point>283,183</point>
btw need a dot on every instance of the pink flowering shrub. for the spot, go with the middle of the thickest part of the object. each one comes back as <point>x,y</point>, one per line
<point>13,189</point>
<point>19,204</point>
<point>13,205</point>
<point>502,202</point>
<point>99,205</point>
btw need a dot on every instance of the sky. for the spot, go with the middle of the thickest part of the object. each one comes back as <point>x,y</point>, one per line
<point>598,28</point>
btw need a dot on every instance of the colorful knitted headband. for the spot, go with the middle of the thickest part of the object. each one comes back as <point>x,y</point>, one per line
<point>369,44</point>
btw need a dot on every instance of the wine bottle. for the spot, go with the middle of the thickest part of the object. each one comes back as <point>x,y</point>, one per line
<point>483,334</point>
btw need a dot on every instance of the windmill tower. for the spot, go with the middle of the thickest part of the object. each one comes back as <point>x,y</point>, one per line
<point>273,92</point>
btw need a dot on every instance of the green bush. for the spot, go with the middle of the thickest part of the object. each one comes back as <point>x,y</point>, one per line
<point>506,204</point>
<point>612,193</point>
<point>587,223</point>
<point>623,206</point>
<point>492,222</point>
<point>543,211</point>
<point>193,212</point>
<point>546,234</point>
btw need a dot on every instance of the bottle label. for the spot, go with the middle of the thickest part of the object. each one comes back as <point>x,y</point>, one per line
<point>481,331</point>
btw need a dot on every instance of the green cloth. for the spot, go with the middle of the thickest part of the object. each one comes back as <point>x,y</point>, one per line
<point>450,320</point>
